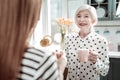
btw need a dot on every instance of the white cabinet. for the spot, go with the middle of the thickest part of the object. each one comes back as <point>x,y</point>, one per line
<point>107,9</point>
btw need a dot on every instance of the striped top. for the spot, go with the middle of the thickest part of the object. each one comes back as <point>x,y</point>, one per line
<point>38,65</point>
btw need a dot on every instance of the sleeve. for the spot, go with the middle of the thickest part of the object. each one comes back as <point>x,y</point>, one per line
<point>102,64</point>
<point>48,69</point>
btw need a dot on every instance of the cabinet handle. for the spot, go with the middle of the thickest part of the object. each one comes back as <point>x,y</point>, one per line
<point>113,13</point>
<point>109,14</point>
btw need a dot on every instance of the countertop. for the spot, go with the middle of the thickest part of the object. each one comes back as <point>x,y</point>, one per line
<point>114,54</point>
<point>57,47</point>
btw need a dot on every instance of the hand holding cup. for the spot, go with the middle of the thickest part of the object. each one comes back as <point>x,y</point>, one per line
<point>83,55</point>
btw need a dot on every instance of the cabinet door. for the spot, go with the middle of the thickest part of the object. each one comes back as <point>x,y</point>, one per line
<point>116,9</point>
<point>103,77</point>
<point>114,73</point>
<point>102,7</point>
<point>107,9</point>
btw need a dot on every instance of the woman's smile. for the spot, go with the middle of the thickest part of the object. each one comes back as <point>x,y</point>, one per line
<point>83,24</point>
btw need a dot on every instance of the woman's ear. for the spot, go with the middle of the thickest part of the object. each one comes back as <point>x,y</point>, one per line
<point>93,21</point>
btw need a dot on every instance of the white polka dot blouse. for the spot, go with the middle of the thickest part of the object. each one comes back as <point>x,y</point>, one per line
<point>86,70</point>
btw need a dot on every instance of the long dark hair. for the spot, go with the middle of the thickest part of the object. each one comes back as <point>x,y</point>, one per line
<point>17,19</point>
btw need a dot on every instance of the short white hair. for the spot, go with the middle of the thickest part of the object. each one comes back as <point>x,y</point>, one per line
<point>92,11</point>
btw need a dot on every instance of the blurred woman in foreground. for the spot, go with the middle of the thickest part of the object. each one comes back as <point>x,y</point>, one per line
<point>18,19</point>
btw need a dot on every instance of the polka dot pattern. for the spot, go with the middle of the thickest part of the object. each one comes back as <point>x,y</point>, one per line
<point>86,70</point>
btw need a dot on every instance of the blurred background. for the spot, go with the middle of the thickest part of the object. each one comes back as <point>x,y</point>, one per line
<point>108,12</point>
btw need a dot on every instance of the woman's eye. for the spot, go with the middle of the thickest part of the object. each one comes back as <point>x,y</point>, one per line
<point>86,16</point>
<point>78,16</point>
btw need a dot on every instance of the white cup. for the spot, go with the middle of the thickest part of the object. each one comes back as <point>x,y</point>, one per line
<point>83,55</point>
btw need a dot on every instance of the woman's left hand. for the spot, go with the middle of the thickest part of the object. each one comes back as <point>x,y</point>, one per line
<point>58,54</point>
<point>93,56</point>
<point>62,62</point>
<point>61,59</point>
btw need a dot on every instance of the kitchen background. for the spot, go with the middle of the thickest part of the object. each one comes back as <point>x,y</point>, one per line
<point>108,24</point>
<point>113,36</point>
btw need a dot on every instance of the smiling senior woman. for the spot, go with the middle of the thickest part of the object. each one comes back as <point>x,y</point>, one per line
<point>86,38</point>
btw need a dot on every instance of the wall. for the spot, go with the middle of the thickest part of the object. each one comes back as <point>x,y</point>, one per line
<point>113,36</point>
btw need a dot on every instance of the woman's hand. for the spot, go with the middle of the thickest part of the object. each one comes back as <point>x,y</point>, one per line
<point>58,54</point>
<point>61,59</point>
<point>93,56</point>
<point>62,62</point>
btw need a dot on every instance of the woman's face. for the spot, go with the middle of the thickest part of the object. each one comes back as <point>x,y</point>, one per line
<point>84,20</point>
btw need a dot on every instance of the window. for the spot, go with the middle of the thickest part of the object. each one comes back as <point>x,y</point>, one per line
<point>55,12</point>
<point>51,9</point>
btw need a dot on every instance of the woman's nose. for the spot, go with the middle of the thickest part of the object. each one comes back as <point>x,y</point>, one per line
<point>81,19</point>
